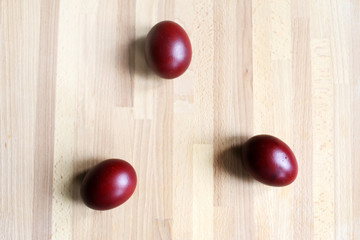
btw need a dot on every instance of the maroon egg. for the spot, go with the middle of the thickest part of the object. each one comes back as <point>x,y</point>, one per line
<point>168,49</point>
<point>108,184</point>
<point>269,160</point>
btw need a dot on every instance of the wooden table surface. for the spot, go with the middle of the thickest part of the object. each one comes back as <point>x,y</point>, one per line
<point>74,90</point>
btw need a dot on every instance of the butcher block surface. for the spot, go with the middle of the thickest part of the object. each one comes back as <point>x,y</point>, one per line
<point>75,90</point>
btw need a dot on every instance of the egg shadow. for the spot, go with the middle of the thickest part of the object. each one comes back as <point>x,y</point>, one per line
<point>230,160</point>
<point>137,62</point>
<point>75,186</point>
<point>80,170</point>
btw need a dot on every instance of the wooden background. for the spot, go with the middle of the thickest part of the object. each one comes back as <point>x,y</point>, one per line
<point>74,90</point>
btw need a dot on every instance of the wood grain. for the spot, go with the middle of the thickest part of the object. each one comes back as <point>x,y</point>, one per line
<point>75,90</point>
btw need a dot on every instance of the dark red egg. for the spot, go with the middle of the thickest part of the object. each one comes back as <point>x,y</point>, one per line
<point>168,49</point>
<point>269,160</point>
<point>108,184</point>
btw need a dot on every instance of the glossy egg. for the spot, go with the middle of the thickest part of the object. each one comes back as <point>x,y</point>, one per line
<point>108,184</point>
<point>168,49</point>
<point>269,160</point>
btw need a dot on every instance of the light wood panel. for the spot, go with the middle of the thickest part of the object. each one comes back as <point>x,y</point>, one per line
<point>75,89</point>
